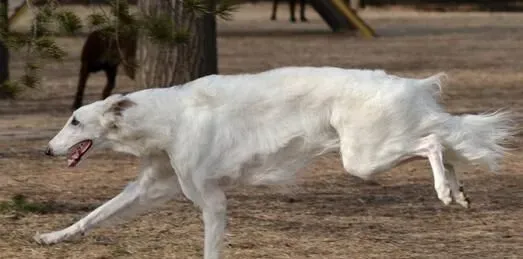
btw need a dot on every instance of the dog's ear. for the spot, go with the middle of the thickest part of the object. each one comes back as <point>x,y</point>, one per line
<point>113,108</point>
<point>120,105</point>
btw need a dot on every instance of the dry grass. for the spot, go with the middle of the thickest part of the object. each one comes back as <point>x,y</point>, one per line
<point>329,215</point>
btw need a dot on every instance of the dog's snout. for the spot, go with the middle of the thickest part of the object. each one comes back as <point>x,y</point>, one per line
<point>49,151</point>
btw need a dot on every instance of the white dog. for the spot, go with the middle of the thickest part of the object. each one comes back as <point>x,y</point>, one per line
<point>261,128</point>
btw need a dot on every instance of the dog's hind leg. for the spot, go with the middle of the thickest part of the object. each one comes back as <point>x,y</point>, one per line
<point>456,189</point>
<point>156,184</point>
<point>111,71</point>
<point>431,148</point>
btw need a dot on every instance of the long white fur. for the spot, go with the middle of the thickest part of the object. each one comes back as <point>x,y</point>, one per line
<point>261,128</point>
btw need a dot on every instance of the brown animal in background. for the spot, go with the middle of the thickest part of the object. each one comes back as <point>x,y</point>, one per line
<point>102,51</point>
<point>292,5</point>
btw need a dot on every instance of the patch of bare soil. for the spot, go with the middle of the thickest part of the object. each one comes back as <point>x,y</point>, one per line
<point>329,214</point>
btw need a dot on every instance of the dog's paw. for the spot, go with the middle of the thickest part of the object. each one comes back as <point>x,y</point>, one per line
<point>443,192</point>
<point>48,238</point>
<point>461,198</point>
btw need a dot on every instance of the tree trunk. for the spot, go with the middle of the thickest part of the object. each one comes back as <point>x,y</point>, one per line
<point>167,65</point>
<point>4,53</point>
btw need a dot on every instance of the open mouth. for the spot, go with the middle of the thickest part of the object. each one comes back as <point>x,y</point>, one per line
<point>77,151</point>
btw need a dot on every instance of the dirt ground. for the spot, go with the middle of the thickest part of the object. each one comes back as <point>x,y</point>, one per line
<point>329,214</point>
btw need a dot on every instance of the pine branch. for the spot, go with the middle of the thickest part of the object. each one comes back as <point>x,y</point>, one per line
<point>197,7</point>
<point>97,21</point>
<point>47,48</point>
<point>68,21</point>
<point>118,23</point>
<point>225,9</point>
<point>160,28</point>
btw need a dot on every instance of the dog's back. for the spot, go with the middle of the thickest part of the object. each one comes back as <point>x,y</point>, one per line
<point>102,50</point>
<point>381,117</point>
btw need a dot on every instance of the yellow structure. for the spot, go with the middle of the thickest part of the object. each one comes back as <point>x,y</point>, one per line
<point>355,19</point>
<point>340,17</point>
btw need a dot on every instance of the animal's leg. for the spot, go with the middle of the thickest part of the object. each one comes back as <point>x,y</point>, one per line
<point>302,11</point>
<point>214,219</point>
<point>156,184</point>
<point>82,80</point>
<point>110,73</point>
<point>431,148</point>
<point>211,199</point>
<point>456,189</point>
<point>274,9</point>
<point>292,8</point>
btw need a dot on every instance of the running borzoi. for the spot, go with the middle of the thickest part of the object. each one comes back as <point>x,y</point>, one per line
<point>261,128</point>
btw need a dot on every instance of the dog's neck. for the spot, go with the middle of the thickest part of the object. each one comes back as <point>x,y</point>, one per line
<point>141,132</point>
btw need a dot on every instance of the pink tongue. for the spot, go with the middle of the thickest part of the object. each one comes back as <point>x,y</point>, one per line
<point>74,157</point>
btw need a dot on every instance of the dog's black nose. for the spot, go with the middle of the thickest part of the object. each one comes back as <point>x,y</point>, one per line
<point>49,151</point>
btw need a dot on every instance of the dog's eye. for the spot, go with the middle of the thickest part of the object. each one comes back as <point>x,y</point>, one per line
<point>75,122</point>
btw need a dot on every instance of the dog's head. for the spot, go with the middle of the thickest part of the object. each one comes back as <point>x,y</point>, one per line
<point>89,127</point>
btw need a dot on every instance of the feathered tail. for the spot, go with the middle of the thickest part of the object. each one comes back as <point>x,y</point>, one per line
<point>480,139</point>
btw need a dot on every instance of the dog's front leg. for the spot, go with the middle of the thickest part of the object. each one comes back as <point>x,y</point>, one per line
<point>214,219</point>
<point>157,184</point>
<point>213,202</point>
<point>111,208</point>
